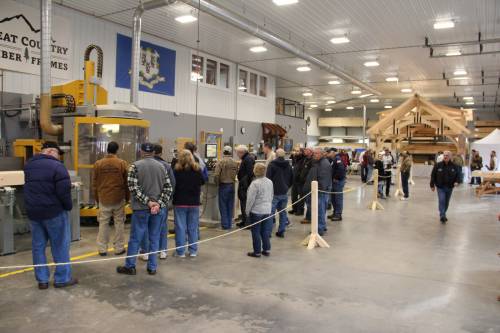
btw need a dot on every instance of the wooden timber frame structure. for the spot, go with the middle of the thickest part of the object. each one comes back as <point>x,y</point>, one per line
<point>398,124</point>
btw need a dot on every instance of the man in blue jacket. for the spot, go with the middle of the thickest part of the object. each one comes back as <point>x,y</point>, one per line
<point>47,194</point>
<point>338,182</point>
<point>280,173</point>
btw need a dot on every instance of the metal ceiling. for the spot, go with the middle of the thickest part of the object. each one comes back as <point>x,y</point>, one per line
<point>389,31</point>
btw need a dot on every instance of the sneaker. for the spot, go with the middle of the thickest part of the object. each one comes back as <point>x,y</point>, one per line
<point>240,224</point>
<point>337,218</point>
<point>266,253</point>
<point>119,253</point>
<point>163,255</point>
<point>253,255</point>
<point>331,216</point>
<point>289,224</point>
<point>70,283</point>
<point>193,255</point>
<point>305,221</point>
<point>43,285</point>
<point>180,255</point>
<point>404,199</point>
<point>291,212</point>
<point>144,257</point>
<point>280,234</point>
<point>126,270</point>
<point>443,220</point>
<point>151,271</point>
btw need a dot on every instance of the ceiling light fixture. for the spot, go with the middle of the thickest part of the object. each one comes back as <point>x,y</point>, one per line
<point>328,109</point>
<point>186,19</point>
<point>303,69</point>
<point>371,64</point>
<point>469,103</point>
<point>459,72</point>
<point>340,40</point>
<point>334,82</point>
<point>392,79</point>
<point>285,2</point>
<point>468,98</point>
<point>258,49</point>
<point>388,107</point>
<point>365,95</point>
<point>453,53</point>
<point>355,92</point>
<point>444,24</point>
<point>406,90</point>
<point>460,78</point>
<point>331,102</point>
<point>242,88</point>
<point>314,106</point>
<point>374,100</point>
<point>350,108</point>
<point>307,94</point>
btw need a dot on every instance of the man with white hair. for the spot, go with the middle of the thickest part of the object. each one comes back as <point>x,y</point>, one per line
<point>245,177</point>
<point>280,173</point>
<point>444,177</point>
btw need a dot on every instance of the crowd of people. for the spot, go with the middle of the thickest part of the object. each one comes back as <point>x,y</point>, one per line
<point>153,185</point>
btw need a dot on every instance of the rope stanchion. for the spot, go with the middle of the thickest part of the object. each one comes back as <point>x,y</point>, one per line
<point>399,191</point>
<point>375,204</point>
<point>314,239</point>
<point>411,181</point>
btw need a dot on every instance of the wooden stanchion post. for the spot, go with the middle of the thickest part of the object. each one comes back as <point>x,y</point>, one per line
<point>375,204</point>
<point>410,181</point>
<point>314,239</point>
<point>399,190</point>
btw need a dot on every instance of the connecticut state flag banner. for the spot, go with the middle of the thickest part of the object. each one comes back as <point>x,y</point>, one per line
<point>156,66</point>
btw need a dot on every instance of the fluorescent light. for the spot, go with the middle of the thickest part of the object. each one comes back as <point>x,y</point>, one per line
<point>350,108</point>
<point>334,82</point>
<point>303,69</point>
<point>284,2</point>
<point>406,90</point>
<point>392,79</point>
<point>186,19</point>
<point>388,107</point>
<point>314,106</point>
<point>374,100</point>
<point>340,40</point>
<point>469,103</point>
<point>307,94</point>
<point>355,92</point>
<point>365,95</point>
<point>459,72</point>
<point>468,98</point>
<point>460,78</point>
<point>258,49</point>
<point>242,88</point>
<point>453,53</point>
<point>331,102</point>
<point>328,109</point>
<point>444,25</point>
<point>371,64</point>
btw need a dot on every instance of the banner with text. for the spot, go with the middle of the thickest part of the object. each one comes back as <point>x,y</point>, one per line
<point>156,68</point>
<point>20,41</point>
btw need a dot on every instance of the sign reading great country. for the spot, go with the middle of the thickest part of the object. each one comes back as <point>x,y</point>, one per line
<point>20,41</point>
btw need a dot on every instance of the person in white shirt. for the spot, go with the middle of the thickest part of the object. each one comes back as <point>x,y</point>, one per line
<point>388,161</point>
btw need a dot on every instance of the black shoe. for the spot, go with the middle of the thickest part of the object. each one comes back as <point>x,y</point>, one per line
<point>43,285</point>
<point>103,254</point>
<point>291,212</point>
<point>279,235</point>
<point>331,216</point>
<point>266,254</point>
<point>321,233</point>
<point>443,220</point>
<point>240,224</point>
<point>253,255</point>
<point>337,218</point>
<point>70,283</point>
<point>126,270</point>
<point>120,253</point>
<point>151,271</point>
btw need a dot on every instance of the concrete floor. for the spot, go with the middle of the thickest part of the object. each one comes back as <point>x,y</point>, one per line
<point>396,270</point>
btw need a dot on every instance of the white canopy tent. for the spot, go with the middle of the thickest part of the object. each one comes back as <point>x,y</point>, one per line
<point>486,145</point>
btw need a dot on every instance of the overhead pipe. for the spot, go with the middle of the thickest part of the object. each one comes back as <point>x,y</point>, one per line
<point>136,44</point>
<point>46,123</point>
<point>273,39</point>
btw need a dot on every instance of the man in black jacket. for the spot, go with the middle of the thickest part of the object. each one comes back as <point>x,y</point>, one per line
<point>297,166</point>
<point>245,177</point>
<point>307,165</point>
<point>444,177</point>
<point>279,172</point>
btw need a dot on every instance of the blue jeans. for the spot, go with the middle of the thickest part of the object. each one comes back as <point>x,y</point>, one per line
<point>369,173</point>
<point>322,204</point>
<point>381,187</point>
<point>405,177</point>
<point>163,236</point>
<point>226,205</point>
<point>56,230</point>
<point>186,221</point>
<point>279,204</point>
<point>143,222</point>
<point>338,198</point>
<point>308,207</point>
<point>444,196</point>
<point>261,233</point>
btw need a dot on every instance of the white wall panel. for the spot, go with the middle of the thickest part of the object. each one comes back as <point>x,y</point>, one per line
<point>213,102</point>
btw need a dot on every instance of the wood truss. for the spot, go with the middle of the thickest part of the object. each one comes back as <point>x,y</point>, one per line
<point>418,117</point>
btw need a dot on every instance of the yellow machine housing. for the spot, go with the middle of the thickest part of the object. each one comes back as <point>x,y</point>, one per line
<point>26,148</point>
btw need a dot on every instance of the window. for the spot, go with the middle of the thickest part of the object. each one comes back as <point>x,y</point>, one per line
<point>211,72</point>
<point>224,75</point>
<point>253,83</point>
<point>289,108</point>
<point>263,86</point>
<point>242,83</point>
<point>197,68</point>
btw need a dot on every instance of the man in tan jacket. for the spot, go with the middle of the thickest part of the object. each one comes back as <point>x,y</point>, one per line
<point>225,176</point>
<point>109,185</point>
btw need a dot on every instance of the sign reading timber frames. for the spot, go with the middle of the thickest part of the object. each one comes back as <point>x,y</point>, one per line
<point>20,41</point>
<point>156,67</point>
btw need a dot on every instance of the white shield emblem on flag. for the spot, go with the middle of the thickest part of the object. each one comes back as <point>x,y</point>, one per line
<point>149,72</point>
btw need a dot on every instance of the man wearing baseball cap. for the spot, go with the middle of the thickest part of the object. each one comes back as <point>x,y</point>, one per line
<point>150,190</point>
<point>47,194</point>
